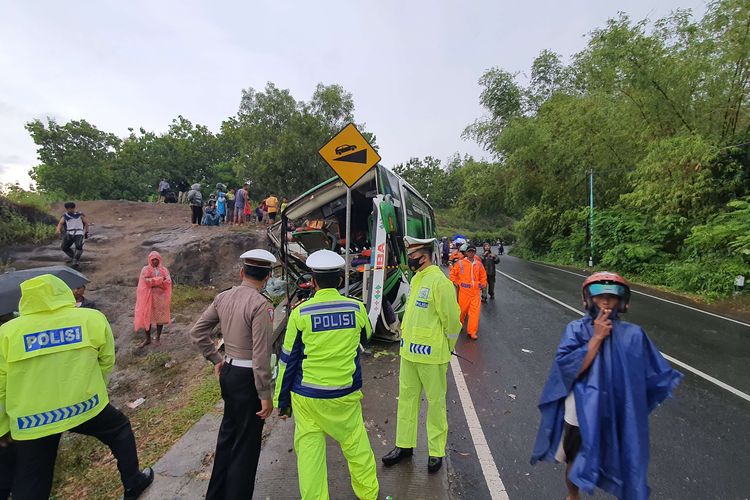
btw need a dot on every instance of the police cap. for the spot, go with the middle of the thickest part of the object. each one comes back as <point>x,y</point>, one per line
<point>413,244</point>
<point>258,258</point>
<point>325,261</point>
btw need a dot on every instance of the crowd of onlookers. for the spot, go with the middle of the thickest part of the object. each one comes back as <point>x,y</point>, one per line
<point>224,206</point>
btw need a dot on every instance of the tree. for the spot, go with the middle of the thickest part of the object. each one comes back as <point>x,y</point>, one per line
<point>277,137</point>
<point>76,158</point>
<point>657,111</point>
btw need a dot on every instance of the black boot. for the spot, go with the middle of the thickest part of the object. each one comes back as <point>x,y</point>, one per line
<point>434,464</point>
<point>396,454</point>
<point>147,477</point>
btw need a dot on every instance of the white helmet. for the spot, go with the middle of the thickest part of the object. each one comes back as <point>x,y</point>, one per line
<point>324,261</point>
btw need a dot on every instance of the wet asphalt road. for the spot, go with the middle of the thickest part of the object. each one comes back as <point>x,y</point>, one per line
<point>700,439</point>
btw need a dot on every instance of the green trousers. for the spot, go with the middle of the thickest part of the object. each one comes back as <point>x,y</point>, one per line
<point>413,379</point>
<point>340,418</point>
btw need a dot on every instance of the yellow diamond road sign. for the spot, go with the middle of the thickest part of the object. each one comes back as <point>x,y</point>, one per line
<point>349,154</point>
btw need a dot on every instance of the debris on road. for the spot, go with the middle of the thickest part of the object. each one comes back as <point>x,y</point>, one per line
<point>135,404</point>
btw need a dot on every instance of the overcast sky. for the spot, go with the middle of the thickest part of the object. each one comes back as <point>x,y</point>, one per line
<point>412,66</point>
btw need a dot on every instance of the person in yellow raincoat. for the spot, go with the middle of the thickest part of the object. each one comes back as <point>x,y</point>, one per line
<point>320,380</point>
<point>429,333</point>
<point>54,362</point>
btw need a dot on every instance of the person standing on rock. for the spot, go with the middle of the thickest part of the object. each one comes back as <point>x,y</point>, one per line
<point>240,197</point>
<point>221,205</point>
<point>182,189</point>
<point>162,191</point>
<point>320,380</point>
<point>230,206</point>
<point>76,229</point>
<point>272,204</point>
<point>153,298</point>
<point>245,374</point>
<point>430,330</point>
<point>195,199</point>
<point>54,362</point>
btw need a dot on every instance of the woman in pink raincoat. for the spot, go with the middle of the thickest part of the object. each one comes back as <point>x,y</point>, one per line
<point>152,298</point>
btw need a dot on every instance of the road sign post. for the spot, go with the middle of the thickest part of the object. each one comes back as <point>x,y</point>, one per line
<point>348,237</point>
<point>349,155</point>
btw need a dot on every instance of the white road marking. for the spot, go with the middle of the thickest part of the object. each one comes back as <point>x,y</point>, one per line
<point>489,469</point>
<point>695,371</point>
<point>655,297</point>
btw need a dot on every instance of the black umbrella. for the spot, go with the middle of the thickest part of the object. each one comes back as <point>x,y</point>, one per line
<point>10,283</point>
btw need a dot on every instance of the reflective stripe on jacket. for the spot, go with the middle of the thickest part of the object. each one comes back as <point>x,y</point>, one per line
<point>431,321</point>
<point>54,360</point>
<point>320,356</point>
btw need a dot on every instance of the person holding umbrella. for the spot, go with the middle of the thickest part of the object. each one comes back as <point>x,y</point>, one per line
<point>10,284</point>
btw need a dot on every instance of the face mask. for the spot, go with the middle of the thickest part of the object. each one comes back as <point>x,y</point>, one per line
<point>415,264</point>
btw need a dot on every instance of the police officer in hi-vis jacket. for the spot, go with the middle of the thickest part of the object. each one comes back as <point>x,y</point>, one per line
<point>320,380</point>
<point>429,333</point>
<point>54,363</point>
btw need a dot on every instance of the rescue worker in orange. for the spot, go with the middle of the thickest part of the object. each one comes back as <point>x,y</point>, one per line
<point>458,252</point>
<point>470,278</point>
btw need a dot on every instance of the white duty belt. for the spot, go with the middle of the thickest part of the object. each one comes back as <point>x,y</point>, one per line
<point>242,363</point>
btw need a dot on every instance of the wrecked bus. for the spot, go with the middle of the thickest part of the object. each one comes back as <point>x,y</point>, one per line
<point>385,208</point>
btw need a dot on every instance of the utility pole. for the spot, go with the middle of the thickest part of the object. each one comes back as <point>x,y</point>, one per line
<point>591,217</point>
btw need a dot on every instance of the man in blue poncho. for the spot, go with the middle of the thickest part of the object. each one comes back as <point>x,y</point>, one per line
<point>606,378</point>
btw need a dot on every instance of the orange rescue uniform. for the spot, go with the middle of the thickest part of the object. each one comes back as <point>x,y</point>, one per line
<point>469,277</point>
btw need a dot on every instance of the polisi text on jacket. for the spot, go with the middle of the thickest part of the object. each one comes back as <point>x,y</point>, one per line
<point>52,338</point>
<point>332,321</point>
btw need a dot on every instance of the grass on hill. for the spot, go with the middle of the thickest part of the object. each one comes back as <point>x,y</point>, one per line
<point>24,218</point>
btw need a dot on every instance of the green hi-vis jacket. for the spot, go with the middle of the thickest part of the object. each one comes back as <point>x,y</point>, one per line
<point>431,321</point>
<point>320,356</point>
<point>54,360</point>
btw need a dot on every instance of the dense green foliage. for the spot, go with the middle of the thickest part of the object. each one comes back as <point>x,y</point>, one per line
<point>24,217</point>
<point>272,141</point>
<point>659,114</point>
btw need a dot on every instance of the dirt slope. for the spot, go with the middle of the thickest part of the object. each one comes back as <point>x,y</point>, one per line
<point>121,236</point>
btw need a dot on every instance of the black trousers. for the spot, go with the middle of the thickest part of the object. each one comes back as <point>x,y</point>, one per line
<point>197,214</point>
<point>35,459</point>
<point>7,469</point>
<point>238,444</point>
<point>491,284</point>
<point>68,241</point>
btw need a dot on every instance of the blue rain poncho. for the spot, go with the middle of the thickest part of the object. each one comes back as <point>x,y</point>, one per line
<point>627,379</point>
